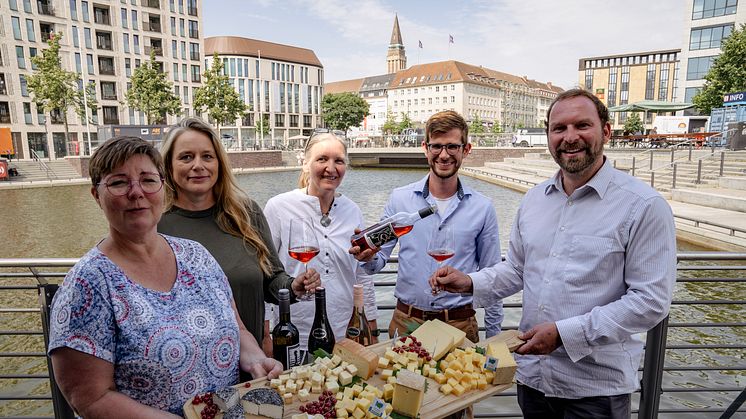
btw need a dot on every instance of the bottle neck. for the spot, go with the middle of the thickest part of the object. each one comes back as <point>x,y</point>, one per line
<point>320,308</point>
<point>358,300</point>
<point>284,311</point>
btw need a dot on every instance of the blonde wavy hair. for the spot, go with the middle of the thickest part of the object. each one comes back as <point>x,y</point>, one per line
<point>303,179</point>
<point>231,202</point>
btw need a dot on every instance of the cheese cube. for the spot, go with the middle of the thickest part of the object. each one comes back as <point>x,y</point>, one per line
<point>440,378</point>
<point>458,390</point>
<point>383,362</point>
<point>363,404</point>
<point>345,378</point>
<point>341,413</point>
<point>409,392</point>
<point>390,355</point>
<point>385,374</point>
<point>288,398</point>
<point>332,386</point>
<point>446,389</point>
<point>481,384</point>
<point>336,360</point>
<point>391,380</point>
<point>291,387</point>
<point>316,388</point>
<point>358,414</point>
<point>317,379</point>
<point>352,369</point>
<point>304,395</point>
<point>412,366</point>
<point>388,392</point>
<point>275,383</point>
<point>284,377</point>
<point>349,405</point>
<point>452,381</point>
<point>356,389</point>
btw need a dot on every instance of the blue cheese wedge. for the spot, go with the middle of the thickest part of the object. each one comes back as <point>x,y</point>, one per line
<point>226,398</point>
<point>263,402</point>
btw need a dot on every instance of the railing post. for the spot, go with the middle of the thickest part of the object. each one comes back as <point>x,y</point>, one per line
<point>652,371</point>
<point>633,165</point>
<point>690,151</point>
<point>652,179</point>
<point>722,162</point>
<point>699,171</point>
<point>62,410</point>
<point>673,181</point>
<point>673,151</point>
<point>651,159</point>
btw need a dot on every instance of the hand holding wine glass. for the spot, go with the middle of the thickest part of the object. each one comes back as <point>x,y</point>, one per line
<point>441,248</point>
<point>302,245</point>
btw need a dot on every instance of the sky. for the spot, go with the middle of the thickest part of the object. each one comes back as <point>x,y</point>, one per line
<point>540,39</point>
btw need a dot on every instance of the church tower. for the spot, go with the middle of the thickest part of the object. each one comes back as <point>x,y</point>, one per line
<point>396,59</point>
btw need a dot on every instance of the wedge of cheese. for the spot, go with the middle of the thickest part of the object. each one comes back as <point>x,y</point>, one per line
<point>435,340</point>
<point>506,365</point>
<point>458,335</point>
<point>358,355</point>
<point>409,391</point>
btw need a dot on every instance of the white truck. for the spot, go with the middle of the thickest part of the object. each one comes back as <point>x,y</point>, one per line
<point>530,137</point>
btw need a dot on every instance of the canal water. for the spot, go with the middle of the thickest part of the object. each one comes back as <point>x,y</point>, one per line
<point>66,222</point>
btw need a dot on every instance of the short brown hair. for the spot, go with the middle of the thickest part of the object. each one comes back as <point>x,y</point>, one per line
<point>603,112</point>
<point>442,122</point>
<point>116,151</point>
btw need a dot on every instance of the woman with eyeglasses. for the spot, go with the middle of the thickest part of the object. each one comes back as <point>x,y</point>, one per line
<point>144,321</point>
<point>334,217</point>
<point>205,204</point>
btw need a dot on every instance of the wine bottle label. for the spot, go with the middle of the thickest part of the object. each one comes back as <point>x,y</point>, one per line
<point>295,355</point>
<point>319,333</point>
<point>353,332</point>
<point>381,235</point>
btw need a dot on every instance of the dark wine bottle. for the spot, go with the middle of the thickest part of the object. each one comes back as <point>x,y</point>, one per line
<point>285,336</point>
<point>390,228</point>
<point>321,336</point>
<point>357,328</point>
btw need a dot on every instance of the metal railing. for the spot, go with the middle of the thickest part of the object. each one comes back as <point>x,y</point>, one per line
<point>43,165</point>
<point>663,392</point>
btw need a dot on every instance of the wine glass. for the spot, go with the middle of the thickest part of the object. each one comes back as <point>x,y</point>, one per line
<point>302,245</point>
<point>441,247</point>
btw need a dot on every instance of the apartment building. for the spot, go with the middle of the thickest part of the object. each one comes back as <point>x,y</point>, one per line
<point>707,23</point>
<point>629,78</point>
<point>104,41</point>
<point>282,83</point>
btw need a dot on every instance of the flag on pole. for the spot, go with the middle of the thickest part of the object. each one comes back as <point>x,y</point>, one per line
<point>420,43</point>
<point>450,39</point>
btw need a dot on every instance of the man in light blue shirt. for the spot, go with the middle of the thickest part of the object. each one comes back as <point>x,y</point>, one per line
<point>466,212</point>
<point>594,251</point>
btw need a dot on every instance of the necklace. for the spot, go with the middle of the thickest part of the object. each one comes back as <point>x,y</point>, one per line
<point>325,219</point>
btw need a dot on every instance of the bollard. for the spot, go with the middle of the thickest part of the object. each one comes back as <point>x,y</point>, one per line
<point>633,165</point>
<point>673,150</point>
<point>690,151</point>
<point>673,181</point>
<point>699,171</point>
<point>652,179</point>
<point>651,159</point>
<point>722,162</point>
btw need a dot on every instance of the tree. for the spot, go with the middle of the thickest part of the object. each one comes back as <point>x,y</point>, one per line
<point>56,90</point>
<point>263,128</point>
<point>633,124</point>
<point>405,123</point>
<point>152,93</point>
<point>390,126</point>
<point>217,97</point>
<point>343,110</point>
<point>496,128</point>
<point>727,73</point>
<point>476,126</point>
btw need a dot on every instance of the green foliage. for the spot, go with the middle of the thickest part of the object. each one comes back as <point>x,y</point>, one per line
<point>320,353</point>
<point>55,89</point>
<point>496,128</point>
<point>152,92</point>
<point>727,74</point>
<point>390,126</point>
<point>405,123</point>
<point>476,126</point>
<point>217,97</point>
<point>633,123</point>
<point>343,110</point>
<point>263,128</point>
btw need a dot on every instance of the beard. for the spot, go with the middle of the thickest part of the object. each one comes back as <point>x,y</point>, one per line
<point>577,164</point>
<point>444,174</point>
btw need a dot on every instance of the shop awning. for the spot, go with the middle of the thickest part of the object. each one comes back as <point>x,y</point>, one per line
<point>651,106</point>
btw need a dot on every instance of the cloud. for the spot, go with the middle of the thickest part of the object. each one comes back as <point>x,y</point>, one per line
<point>255,16</point>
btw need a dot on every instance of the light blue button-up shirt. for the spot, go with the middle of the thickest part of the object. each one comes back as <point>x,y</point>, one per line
<point>474,223</point>
<point>601,263</point>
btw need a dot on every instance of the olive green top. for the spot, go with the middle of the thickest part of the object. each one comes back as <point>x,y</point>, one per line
<point>251,288</point>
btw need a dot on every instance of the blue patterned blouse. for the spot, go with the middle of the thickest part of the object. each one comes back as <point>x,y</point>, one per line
<point>165,346</point>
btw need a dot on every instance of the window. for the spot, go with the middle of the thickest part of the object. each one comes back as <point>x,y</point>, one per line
<point>84,10</point>
<point>589,78</point>
<point>698,67</point>
<point>124,18</point>
<point>20,58</point>
<point>650,83</point>
<point>134,19</point>
<point>103,40</point>
<point>13,4</point>
<point>172,5</point>
<point>184,72</point>
<point>16,22</point>
<point>193,29</point>
<point>126,42</point>
<point>711,8</point>
<point>195,73</point>
<point>106,66</point>
<point>108,90</point>
<point>136,43</point>
<point>24,85</point>
<point>27,113</point>
<point>183,50</point>
<point>74,9</point>
<point>111,115</point>
<point>182,32</point>
<point>174,49</point>
<point>194,55</point>
<point>27,6</point>
<point>689,93</point>
<point>87,36</point>
<point>176,72</point>
<point>710,37</point>
<point>173,26</point>
<point>611,93</point>
<point>128,67</point>
<point>30,30</point>
<point>76,37</point>
<point>663,83</point>
<point>89,60</point>
<point>78,63</point>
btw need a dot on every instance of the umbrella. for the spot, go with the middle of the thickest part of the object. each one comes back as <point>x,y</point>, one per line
<point>651,106</point>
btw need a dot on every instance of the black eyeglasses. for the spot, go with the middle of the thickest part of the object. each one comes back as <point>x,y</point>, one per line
<point>451,149</point>
<point>150,183</point>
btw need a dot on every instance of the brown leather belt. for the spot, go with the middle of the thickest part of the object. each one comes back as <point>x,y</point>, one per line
<point>456,313</point>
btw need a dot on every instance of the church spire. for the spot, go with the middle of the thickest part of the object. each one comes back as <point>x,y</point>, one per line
<point>396,59</point>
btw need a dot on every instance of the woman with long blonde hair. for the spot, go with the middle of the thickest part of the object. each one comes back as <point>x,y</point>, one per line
<point>205,204</point>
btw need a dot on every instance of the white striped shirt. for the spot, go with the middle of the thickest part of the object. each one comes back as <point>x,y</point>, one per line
<point>601,263</point>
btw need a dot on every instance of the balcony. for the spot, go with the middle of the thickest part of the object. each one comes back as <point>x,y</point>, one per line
<point>106,66</point>
<point>158,51</point>
<point>3,87</point>
<point>111,116</point>
<point>46,31</point>
<point>101,16</point>
<point>155,4</point>
<point>45,8</point>
<point>103,40</point>
<point>154,26</point>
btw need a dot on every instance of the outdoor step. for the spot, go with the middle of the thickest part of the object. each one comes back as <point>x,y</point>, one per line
<point>727,199</point>
<point>531,162</point>
<point>738,183</point>
<point>536,171</point>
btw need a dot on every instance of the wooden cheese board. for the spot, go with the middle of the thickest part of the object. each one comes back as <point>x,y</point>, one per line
<point>435,404</point>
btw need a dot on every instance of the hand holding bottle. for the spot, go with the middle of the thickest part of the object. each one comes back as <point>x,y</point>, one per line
<point>360,254</point>
<point>384,231</point>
